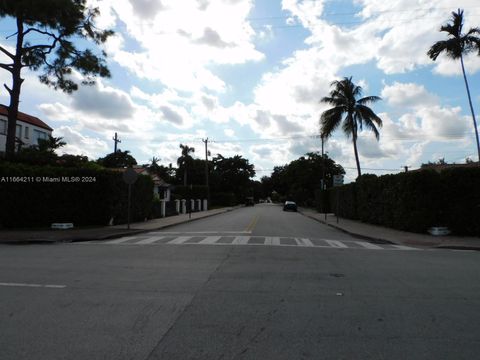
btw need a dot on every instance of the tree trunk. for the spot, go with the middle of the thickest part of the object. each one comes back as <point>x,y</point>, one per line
<point>185,177</point>
<point>471,107</point>
<point>356,151</point>
<point>14,93</point>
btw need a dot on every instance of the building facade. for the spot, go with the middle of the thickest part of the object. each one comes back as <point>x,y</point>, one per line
<point>29,129</point>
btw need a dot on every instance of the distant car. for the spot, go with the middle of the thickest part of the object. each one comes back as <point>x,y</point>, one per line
<point>249,201</point>
<point>290,205</point>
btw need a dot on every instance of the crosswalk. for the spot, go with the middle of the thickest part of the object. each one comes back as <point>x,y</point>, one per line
<point>158,238</point>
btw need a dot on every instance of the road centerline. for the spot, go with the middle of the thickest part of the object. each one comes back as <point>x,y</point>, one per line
<point>48,286</point>
<point>252,224</point>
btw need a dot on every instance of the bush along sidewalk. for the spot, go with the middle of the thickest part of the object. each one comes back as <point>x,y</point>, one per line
<point>36,196</point>
<point>413,201</point>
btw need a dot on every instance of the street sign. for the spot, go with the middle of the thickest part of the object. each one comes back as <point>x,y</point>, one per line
<point>130,176</point>
<point>337,180</point>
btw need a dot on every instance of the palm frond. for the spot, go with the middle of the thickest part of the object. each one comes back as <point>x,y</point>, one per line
<point>349,126</point>
<point>452,47</point>
<point>368,99</point>
<point>368,118</point>
<point>330,120</point>
<point>473,31</point>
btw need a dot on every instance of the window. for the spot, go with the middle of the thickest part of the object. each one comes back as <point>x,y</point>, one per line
<point>37,134</point>
<point>3,127</point>
<point>27,132</point>
<point>18,133</point>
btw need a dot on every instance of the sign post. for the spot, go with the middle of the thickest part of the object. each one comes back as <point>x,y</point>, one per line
<point>129,177</point>
<point>337,181</point>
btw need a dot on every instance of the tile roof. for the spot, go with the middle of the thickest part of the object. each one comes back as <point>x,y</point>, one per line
<point>26,118</point>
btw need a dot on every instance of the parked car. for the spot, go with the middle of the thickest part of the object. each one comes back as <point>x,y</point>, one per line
<point>249,201</point>
<point>290,205</point>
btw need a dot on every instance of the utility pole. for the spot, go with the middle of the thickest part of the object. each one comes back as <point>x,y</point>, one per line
<point>323,165</point>
<point>323,178</point>
<point>116,140</point>
<point>206,170</point>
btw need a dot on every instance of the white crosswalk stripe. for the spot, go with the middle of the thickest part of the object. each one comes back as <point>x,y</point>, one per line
<point>179,240</point>
<point>150,240</point>
<point>336,244</point>
<point>303,242</point>
<point>369,245</point>
<point>210,240</point>
<point>272,240</point>
<point>155,238</point>
<point>121,240</point>
<point>241,240</point>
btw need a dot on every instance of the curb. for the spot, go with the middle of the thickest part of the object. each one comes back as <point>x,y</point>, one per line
<point>363,237</point>
<point>141,231</point>
<point>383,241</point>
<point>120,234</point>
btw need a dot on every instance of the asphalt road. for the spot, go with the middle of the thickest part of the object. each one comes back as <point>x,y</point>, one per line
<point>254,283</point>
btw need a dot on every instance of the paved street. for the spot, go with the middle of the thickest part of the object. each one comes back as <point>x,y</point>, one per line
<point>253,283</point>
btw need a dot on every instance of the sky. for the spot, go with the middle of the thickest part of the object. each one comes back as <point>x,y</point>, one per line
<point>248,75</point>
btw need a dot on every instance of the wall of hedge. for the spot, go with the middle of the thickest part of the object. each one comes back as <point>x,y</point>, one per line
<point>190,192</point>
<point>37,202</point>
<point>223,199</point>
<point>414,201</point>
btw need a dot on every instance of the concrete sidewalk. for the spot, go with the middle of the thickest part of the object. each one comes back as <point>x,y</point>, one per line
<point>382,234</point>
<point>101,233</point>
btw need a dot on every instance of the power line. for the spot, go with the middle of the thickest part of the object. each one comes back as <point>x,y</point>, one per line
<point>397,21</point>
<point>285,17</point>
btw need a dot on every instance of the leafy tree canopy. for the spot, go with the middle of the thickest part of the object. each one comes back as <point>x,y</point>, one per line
<point>232,174</point>
<point>299,179</point>
<point>120,159</point>
<point>44,42</point>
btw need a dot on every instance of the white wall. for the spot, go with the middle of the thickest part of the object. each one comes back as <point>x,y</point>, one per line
<point>31,140</point>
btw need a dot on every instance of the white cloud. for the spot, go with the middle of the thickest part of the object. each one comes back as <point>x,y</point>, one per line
<point>78,144</point>
<point>229,132</point>
<point>103,101</point>
<point>408,95</point>
<point>193,36</point>
<point>443,123</point>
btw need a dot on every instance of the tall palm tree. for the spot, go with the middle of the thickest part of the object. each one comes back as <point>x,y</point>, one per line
<point>458,45</point>
<point>344,99</point>
<point>185,160</point>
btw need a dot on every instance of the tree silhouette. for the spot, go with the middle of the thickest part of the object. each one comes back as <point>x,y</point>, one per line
<point>455,47</point>
<point>44,42</point>
<point>344,98</point>
<point>185,160</point>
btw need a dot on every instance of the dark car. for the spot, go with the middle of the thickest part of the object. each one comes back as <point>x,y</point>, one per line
<point>290,206</point>
<point>249,201</point>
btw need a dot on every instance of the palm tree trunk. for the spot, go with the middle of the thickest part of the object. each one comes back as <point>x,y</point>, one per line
<point>356,152</point>
<point>471,107</point>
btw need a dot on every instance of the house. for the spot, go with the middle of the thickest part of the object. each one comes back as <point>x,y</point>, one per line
<point>160,187</point>
<point>29,129</point>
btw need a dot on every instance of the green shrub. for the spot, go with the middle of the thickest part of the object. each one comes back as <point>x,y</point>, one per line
<point>322,203</point>
<point>186,192</point>
<point>92,197</point>
<point>460,209</point>
<point>223,199</point>
<point>342,199</point>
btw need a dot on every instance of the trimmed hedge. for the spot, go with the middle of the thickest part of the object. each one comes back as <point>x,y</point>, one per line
<point>36,196</point>
<point>414,201</point>
<point>223,199</point>
<point>186,192</point>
